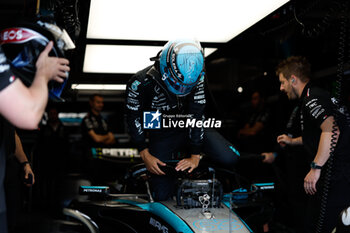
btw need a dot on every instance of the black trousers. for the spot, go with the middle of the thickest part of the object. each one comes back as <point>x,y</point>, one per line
<point>3,222</point>
<point>338,199</point>
<point>13,191</point>
<point>215,146</point>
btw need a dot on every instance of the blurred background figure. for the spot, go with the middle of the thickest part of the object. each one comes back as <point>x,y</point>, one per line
<point>95,130</point>
<point>254,137</point>
<point>95,134</point>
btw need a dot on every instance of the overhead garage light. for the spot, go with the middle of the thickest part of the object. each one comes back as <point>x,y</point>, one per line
<point>120,58</point>
<point>111,87</point>
<point>208,51</point>
<point>162,20</point>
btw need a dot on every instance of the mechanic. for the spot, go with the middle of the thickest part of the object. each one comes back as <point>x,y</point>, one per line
<point>94,128</point>
<point>318,126</point>
<point>173,86</point>
<point>96,134</point>
<point>29,101</point>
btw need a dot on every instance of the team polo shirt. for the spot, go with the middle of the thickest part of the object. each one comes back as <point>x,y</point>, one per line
<point>317,106</point>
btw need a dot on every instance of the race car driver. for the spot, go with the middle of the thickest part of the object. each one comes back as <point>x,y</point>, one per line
<point>173,86</point>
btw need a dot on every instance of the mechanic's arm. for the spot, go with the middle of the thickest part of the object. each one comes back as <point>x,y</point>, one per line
<point>23,106</point>
<point>269,157</point>
<point>251,130</point>
<point>99,138</point>
<point>284,140</point>
<point>322,155</point>
<point>111,139</point>
<point>22,158</point>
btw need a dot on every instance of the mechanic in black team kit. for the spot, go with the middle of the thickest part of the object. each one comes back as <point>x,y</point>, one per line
<point>321,120</point>
<point>173,86</point>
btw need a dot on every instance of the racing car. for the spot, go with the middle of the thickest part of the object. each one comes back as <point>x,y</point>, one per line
<point>199,206</point>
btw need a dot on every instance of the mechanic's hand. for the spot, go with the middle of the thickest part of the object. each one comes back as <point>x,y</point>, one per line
<point>28,170</point>
<point>310,181</point>
<point>152,162</point>
<point>284,140</point>
<point>191,163</point>
<point>51,68</point>
<point>269,157</point>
